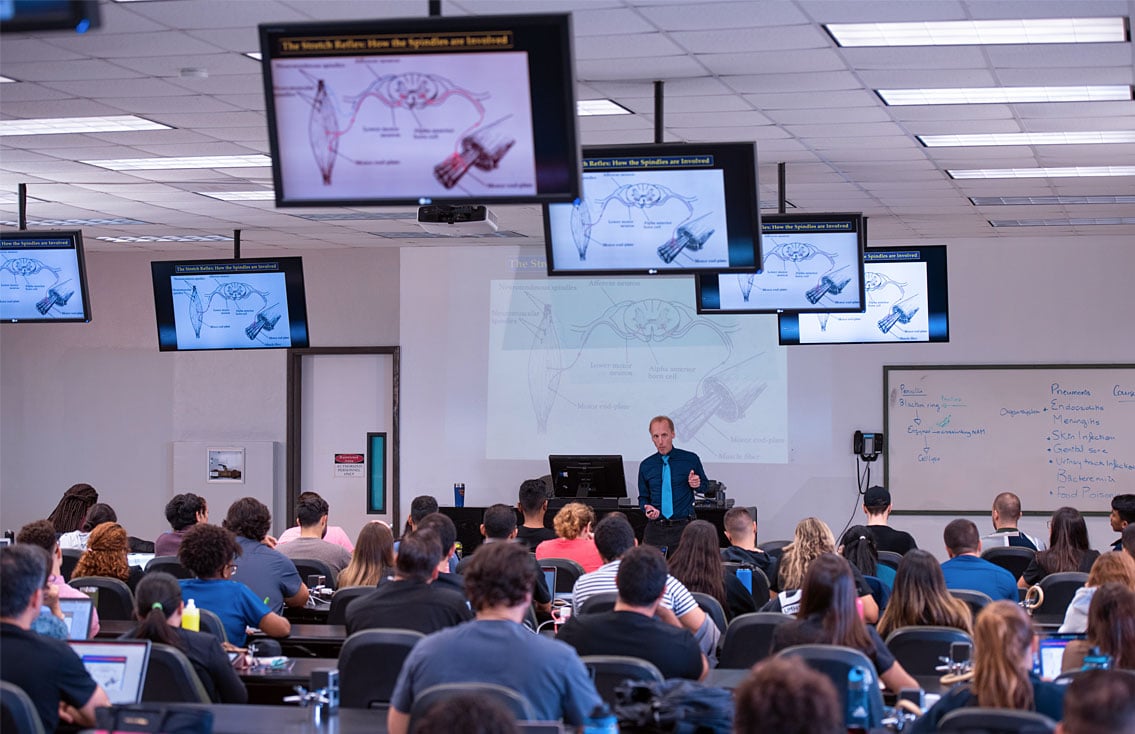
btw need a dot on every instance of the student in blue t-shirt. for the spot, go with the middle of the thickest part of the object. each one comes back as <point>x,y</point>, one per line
<point>966,569</point>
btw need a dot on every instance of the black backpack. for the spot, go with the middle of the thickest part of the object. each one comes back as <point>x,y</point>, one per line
<point>673,707</point>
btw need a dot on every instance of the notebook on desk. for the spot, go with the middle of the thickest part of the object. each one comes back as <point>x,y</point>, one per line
<point>118,666</point>
<point>77,617</point>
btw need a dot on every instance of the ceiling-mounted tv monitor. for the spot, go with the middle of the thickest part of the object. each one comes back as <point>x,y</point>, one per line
<point>659,209</point>
<point>31,16</point>
<point>404,111</point>
<point>43,277</point>
<point>907,301</point>
<point>810,263</point>
<point>254,303</point>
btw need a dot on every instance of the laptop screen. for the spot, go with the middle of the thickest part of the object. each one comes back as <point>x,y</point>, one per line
<point>77,616</point>
<point>550,578</point>
<point>118,666</point>
<point>1050,656</point>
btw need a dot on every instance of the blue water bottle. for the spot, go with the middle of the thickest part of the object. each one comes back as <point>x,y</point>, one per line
<point>601,721</point>
<point>858,716</point>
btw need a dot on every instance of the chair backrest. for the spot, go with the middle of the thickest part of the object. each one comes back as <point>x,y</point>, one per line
<point>513,701</point>
<point>341,599</point>
<point>759,582</point>
<point>1013,558</point>
<point>70,559</point>
<point>977,720</point>
<point>313,566</point>
<point>170,565</point>
<point>774,548</point>
<point>712,607</point>
<point>1058,588</point>
<point>977,600</point>
<point>113,598</point>
<point>918,648</point>
<point>748,640</point>
<point>369,664</point>
<point>212,624</point>
<point>170,678</point>
<point>597,603</point>
<point>608,672</point>
<point>17,712</point>
<point>835,662</point>
<point>890,558</point>
<point>567,572</point>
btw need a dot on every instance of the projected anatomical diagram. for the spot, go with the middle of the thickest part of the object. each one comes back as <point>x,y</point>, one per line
<point>398,127</point>
<point>597,351</point>
<point>231,311</point>
<point>896,308</point>
<point>40,286</point>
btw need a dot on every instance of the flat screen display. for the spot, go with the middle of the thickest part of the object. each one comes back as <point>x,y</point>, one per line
<point>810,263</point>
<point>588,476</point>
<point>421,110</point>
<point>649,209</point>
<point>43,277</point>
<point>907,301</point>
<point>230,304</point>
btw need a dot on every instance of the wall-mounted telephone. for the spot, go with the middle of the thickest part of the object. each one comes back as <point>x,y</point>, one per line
<point>867,445</point>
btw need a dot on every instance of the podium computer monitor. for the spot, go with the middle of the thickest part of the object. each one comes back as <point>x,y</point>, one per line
<point>587,476</point>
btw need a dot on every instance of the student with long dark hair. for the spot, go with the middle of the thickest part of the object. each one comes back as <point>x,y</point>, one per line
<point>1111,629</point>
<point>98,513</point>
<point>697,564</point>
<point>158,606</point>
<point>1068,548</point>
<point>920,597</point>
<point>859,548</point>
<point>71,510</point>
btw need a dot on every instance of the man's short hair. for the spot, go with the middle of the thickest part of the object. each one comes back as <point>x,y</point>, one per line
<point>1008,506</point>
<point>1124,504</point>
<point>41,533</point>
<point>181,511</point>
<point>532,495</point>
<point>876,499</point>
<point>641,578</point>
<point>249,518</point>
<point>499,521</point>
<point>961,536</point>
<point>467,713</point>
<point>311,509</point>
<point>614,536</point>
<point>1100,702</point>
<point>444,527</point>
<point>662,419</point>
<point>421,506</point>
<point>23,569</point>
<point>1128,540</point>
<point>738,521</point>
<point>499,574</point>
<point>784,695</point>
<point>206,549</point>
<point>418,555</point>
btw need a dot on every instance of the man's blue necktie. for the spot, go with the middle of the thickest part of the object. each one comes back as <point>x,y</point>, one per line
<point>667,489</point>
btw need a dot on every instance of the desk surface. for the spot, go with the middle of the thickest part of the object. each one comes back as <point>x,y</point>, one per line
<point>241,719</point>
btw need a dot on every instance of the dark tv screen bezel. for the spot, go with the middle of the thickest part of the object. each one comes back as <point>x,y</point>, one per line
<point>291,267</point>
<point>610,467</point>
<point>938,298</point>
<point>35,16</point>
<point>76,239</point>
<point>709,288</point>
<point>546,38</point>
<point>738,163</point>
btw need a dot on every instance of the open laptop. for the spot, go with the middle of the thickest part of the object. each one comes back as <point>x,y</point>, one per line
<point>1050,656</point>
<point>118,666</point>
<point>77,615</point>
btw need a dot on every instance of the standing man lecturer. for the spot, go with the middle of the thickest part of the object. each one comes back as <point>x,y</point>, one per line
<point>666,484</point>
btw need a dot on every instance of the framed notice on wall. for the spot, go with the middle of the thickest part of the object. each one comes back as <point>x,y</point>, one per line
<point>376,473</point>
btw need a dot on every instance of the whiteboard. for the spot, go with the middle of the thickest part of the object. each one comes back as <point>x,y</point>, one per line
<point>1055,435</point>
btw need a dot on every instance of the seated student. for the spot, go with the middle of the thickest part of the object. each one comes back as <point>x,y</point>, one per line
<point>1127,540</point>
<point>373,557</point>
<point>1005,515</point>
<point>1113,566</point>
<point>877,507</point>
<point>42,533</point>
<point>333,534</point>
<point>785,696</point>
<point>311,515</point>
<point>741,530</point>
<point>158,606</point>
<point>1099,702</point>
<point>96,515</point>
<point>829,615</point>
<point>1003,646</point>
<point>47,670</point>
<point>72,508</point>
<point>499,526</point>
<point>447,534</point>
<point>858,546</point>
<point>209,551</point>
<point>107,555</point>
<point>573,524</point>
<point>182,512</point>
<point>269,573</point>
<point>1068,548</point>
<point>1122,516</point>
<point>497,648</point>
<point>632,627</point>
<point>420,507</point>
<point>966,569</point>
<point>920,597</point>
<point>697,564</point>
<point>533,504</point>
<point>1111,629</point>
<point>411,600</point>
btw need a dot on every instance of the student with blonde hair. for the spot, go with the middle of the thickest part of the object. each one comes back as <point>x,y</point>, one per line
<point>373,558</point>
<point>812,539</point>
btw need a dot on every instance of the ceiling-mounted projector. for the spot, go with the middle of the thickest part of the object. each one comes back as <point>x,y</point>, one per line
<point>460,220</point>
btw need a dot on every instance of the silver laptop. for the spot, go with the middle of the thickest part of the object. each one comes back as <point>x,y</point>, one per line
<point>118,666</point>
<point>77,616</point>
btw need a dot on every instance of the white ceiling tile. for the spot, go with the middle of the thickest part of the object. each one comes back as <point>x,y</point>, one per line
<point>693,87</point>
<point>771,83</point>
<point>927,78</point>
<point>850,114</point>
<point>215,120</point>
<point>646,69</point>
<point>867,11</point>
<point>952,112</point>
<point>745,118</point>
<point>132,45</point>
<point>677,103</point>
<point>749,40</point>
<point>217,64</point>
<point>626,47</point>
<point>915,57</point>
<point>805,101</point>
<point>835,126</point>
<point>606,22</point>
<point>692,16</point>
<point>66,71</point>
<point>773,62</point>
<point>1074,124</point>
<point>960,127</point>
<point>1085,110</point>
<point>140,87</point>
<point>1065,76</point>
<point>1060,56</point>
<point>248,85</point>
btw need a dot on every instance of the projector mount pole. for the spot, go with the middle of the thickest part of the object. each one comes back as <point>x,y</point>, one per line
<point>435,8</point>
<point>658,134</point>
<point>781,187</point>
<point>23,204</point>
<point>236,244</point>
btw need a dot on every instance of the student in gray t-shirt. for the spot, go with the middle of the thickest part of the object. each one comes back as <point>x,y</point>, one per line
<point>311,513</point>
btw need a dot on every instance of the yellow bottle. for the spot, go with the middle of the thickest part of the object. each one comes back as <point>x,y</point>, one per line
<point>191,617</point>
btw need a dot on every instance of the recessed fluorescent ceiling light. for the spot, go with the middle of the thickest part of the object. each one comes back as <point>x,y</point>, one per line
<point>5,80</point>
<point>1073,222</point>
<point>1065,172</point>
<point>57,125</point>
<point>981,32</point>
<point>357,216</point>
<point>240,195</point>
<point>1048,200</point>
<point>255,55</point>
<point>589,107</point>
<point>74,222</point>
<point>168,238</point>
<point>1006,95</point>
<point>208,161</point>
<point>1068,138</point>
